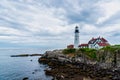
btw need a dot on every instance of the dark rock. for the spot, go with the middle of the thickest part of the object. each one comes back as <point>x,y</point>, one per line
<point>26,78</point>
<point>64,68</point>
<point>26,55</point>
<point>33,72</point>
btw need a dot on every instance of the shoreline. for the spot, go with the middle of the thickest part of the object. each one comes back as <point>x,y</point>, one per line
<point>71,71</point>
<point>63,69</point>
<point>25,55</point>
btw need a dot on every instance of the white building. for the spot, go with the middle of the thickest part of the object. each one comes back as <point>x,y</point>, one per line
<point>95,43</point>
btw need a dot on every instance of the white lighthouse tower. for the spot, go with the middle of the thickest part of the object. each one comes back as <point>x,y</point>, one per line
<point>76,40</point>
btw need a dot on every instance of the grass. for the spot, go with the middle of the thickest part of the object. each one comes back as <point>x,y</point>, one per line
<point>108,51</point>
<point>69,51</point>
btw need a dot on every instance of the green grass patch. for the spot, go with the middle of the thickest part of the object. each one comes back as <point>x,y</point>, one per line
<point>91,53</point>
<point>69,51</point>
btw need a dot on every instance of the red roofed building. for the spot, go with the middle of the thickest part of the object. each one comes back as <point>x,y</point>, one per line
<point>95,43</point>
<point>83,46</point>
<point>103,44</point>
<point>70,46</point>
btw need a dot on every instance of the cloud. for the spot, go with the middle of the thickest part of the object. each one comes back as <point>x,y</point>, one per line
<point>52,22</point>
<point>109,9</point>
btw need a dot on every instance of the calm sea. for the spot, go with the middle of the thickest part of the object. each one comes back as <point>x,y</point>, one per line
<point>16,68</point>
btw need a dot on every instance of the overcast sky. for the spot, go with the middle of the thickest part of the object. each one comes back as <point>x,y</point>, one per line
<point>51,23</point>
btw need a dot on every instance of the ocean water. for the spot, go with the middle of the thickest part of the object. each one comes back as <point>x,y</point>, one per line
<point>16,68</point>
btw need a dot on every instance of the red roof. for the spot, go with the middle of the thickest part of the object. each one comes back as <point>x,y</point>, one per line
<point>103,44</point>
<point>70,46</point>
<point>83,45</point>
<point>103,39</point>
<point>94,39</point>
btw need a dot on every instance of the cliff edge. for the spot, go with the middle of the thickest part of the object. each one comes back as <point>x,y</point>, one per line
<point>72,66</point>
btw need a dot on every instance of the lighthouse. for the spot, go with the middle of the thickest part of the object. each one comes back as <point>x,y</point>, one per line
<point>76,37</point>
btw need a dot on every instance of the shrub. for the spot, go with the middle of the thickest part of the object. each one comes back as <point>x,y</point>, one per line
<point>67,51</point>
<point>91,53</point>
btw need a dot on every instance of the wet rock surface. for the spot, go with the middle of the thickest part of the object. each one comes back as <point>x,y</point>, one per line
<point>25,78</point>
<point>68,69</point>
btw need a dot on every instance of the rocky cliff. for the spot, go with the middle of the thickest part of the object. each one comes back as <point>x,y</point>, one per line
<point>64,67</point>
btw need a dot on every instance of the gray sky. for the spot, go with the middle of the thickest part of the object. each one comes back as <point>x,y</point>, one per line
<point>51,23</point>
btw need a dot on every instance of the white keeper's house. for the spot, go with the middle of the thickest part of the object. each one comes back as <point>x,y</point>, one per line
<point>95,43</point>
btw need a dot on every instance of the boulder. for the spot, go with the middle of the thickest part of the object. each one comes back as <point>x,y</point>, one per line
<point>25,78</point>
